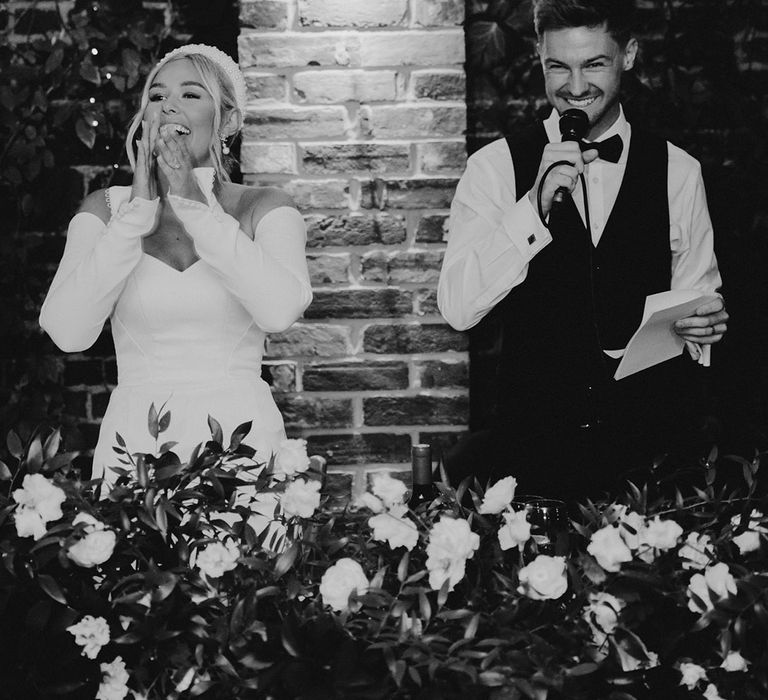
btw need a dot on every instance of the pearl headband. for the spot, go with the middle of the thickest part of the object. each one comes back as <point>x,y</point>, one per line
<point>222,60</point>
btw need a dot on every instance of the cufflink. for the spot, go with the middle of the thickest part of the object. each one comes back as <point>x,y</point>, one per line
<point>531,239</point>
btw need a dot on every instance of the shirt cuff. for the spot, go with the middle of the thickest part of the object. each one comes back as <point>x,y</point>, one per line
<point>525,230</point>
<point>135,218</point>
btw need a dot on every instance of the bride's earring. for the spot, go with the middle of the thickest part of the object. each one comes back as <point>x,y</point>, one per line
<point>224,146</point>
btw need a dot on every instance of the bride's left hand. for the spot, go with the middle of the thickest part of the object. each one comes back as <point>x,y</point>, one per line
<point>175,161</point>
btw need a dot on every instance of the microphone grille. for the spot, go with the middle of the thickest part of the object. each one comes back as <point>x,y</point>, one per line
<point>574,124</point>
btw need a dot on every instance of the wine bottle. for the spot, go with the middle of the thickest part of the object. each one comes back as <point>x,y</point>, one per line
<point>423,490</point>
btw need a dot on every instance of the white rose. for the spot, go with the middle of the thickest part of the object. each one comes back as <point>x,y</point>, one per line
<point>498,496</point>
<point>411,626</point>
<point>301,498</point>
<point>29,523</point>
<point>691,675</point>
<point>661,534</point>
<point>515,531</point>
<point>631,663</point>
<point>749,540</point>
<point>451,543</point>
<point>291,457</point>
<point>711,693</point>
<point>338,582</point>
<point>97,545</point>
<point>734,662</point>
<point>544,578</point>
<point>697,551</point>
<point>114,682</point>
<point>698,586</point>
<point>716,578</point>
<point>217,558</point>
<point>720,580</point>
<point>602,613</point>
<point>40,494</point>
<point>398,531</point>
<point>608,548</point>
<point>186,680</point>
<point>637,523</point>
<point>388,489</point>
<point>91,633</point>
<point>39,503</point>
<point>368,500</point>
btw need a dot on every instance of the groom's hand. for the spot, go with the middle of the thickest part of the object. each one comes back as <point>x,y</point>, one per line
<point>707,325</point>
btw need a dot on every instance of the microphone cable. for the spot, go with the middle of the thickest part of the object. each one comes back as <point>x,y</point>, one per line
<point>541,188</point>
<point>590,248</point>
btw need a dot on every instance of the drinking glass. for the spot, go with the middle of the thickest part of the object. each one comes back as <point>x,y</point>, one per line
<point>549,525</point>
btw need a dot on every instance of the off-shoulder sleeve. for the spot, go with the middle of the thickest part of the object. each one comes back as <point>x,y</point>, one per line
<point>96,263</point>
<point>268,274</point>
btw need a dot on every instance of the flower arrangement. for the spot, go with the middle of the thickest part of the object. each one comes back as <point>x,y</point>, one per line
<point>227,578</point>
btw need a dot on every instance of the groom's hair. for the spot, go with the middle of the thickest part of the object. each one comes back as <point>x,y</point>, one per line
<point>618,16</point>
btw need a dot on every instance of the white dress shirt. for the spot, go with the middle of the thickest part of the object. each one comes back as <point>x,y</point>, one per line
<point>493,236</point>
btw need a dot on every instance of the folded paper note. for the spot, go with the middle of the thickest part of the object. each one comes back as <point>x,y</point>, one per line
<point>655,340</point>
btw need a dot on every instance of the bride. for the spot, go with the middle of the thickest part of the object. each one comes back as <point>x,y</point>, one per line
<point>191,269</point>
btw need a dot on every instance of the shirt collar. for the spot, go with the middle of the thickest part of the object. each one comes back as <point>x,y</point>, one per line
<point>620,126</point>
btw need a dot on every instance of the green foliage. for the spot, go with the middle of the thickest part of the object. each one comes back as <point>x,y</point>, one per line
<point>262,627</point>
<point>67,94</point>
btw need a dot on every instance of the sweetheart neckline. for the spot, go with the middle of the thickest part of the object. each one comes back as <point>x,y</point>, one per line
<point>170,267</point>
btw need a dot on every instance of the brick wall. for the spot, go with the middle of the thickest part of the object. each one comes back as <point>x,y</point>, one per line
<point>357,109</point>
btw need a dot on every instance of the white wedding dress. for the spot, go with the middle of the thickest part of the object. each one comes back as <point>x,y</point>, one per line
<point>190,342</point>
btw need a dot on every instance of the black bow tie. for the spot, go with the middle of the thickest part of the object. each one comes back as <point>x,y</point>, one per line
<point>610,149</point>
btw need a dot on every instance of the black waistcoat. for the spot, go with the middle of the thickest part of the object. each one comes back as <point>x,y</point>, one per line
<point>578,299</point>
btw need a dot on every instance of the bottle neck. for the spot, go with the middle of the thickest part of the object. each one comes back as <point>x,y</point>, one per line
<point>422,470</point>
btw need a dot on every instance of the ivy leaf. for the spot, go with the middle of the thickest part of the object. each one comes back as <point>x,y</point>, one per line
<point>214,426</point>
<point>13,175</point>
<point>286,559</point>
<point>49,585</point>
<point>59,460</point>
<point>6,98</point>
<point>402,569</point>
<point>85,132</point>
<point>239,433</point>
<point>164,422</point>
<point>424,606</point>
<point>131,61</point>
<point>90,73</point>
<point>62,113</point>
<point>52,443</point>
<point>119,82</point>
<point>487,43</point>
<point>162,519</point>
<point>472,625</point>
<point>27,204</point>
<point>35,456</point>
<point>54,60</point>
<point>5,472</point>
<point>152,421</point>
<point>13,442</point>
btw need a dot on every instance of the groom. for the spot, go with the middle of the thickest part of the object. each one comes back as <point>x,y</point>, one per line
<point>560,287</point>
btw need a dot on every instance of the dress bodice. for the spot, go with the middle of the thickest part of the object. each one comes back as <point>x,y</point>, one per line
<point>162,309</point>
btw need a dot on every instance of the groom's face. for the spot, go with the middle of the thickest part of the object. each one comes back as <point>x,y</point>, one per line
<point>583,67</point>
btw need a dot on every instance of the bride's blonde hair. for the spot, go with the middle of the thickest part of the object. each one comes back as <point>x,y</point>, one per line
<point>218,84</point>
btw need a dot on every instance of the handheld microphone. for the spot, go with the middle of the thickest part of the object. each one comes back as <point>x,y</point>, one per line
<point>574,125</point>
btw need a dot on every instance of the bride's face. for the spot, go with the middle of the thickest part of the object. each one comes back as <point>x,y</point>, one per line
<point>184,106</point>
